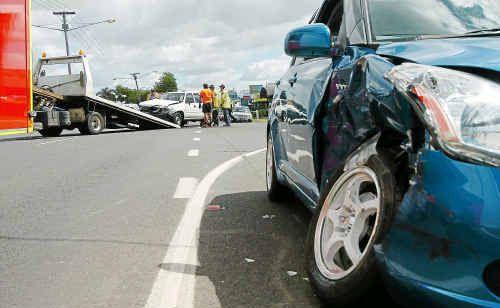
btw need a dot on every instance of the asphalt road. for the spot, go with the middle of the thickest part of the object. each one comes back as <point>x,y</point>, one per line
<point>106,221</point>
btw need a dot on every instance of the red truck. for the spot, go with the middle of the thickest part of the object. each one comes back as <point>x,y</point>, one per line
<point>15,67</point>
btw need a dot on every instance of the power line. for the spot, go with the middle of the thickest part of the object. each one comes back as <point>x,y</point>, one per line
<point>135,77</point>
<point>66,28</point>
<point>84,37</point>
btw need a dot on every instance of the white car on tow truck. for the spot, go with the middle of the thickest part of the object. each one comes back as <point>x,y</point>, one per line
<point>178,107</point>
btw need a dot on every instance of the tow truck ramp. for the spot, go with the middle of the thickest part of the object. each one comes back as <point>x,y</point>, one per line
<point>152,121</point>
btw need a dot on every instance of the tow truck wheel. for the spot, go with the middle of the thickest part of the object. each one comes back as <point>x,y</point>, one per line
<point>51,132</point>
<point>94,124</point>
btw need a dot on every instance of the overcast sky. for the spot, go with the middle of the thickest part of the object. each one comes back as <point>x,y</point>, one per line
<point>238,42</point>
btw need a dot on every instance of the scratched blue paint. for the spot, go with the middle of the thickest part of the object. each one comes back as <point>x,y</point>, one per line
<point>446,231</point>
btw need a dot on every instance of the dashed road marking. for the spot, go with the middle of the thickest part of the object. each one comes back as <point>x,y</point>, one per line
<point>176,288</point>
<point>194,153</point>
<point>119,202</point>
<point>55,141</point>
<point>196,139</point>
<point>197,131</point>
<point>185,188</point>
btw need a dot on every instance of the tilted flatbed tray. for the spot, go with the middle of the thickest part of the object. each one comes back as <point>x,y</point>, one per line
<point>131,112</point>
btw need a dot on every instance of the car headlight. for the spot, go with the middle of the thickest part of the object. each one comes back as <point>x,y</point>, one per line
<point>461,110</point>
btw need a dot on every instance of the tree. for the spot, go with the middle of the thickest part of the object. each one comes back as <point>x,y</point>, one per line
<point>123,93</point>
<point>106,93</point>
<point>167,83</point>
<point>133,96</point>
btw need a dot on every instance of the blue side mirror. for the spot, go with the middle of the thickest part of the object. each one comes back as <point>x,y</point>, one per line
<point>311,41</point>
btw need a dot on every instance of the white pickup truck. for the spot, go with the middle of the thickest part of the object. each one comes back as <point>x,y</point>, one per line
<point>178,107</point>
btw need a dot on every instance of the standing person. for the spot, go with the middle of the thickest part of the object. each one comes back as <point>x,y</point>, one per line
<point>225,102</point>
<point>151,95</point>
<point>207,100</point>
<point>231,113</point>
<point>216,107</point>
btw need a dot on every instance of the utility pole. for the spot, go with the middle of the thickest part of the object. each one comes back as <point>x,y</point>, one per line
<point>134,75</point>
<point>65,29</point>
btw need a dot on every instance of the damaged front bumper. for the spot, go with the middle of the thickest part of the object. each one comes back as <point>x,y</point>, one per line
<point>159,112</point>
<point>443,248</point>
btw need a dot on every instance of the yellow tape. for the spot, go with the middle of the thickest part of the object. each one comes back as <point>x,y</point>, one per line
<point>13,132</point>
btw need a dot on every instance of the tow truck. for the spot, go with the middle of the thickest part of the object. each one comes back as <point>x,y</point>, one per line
<point>67,101</point>
<point>50,98</point>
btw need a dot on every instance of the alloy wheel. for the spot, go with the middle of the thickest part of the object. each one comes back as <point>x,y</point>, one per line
<point>347,223</point>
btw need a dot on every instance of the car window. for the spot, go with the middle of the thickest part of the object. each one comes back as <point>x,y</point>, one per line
<point>189,99</point>
<point>177,97</point>
<point>61,69</point>
<point>197,98</point>
<point>394,20</point>
<point>332,16</point>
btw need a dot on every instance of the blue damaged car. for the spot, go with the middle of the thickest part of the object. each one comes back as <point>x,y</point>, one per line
<point>387,126</point>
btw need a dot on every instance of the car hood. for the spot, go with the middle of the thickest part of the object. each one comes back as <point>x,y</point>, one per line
<point>157,102</point>
<point>481,52</point>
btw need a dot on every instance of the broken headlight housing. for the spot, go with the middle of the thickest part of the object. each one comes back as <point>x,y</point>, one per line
<point>461,110</point>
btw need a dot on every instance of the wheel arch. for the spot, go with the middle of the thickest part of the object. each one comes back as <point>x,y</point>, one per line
<point>368,115</point>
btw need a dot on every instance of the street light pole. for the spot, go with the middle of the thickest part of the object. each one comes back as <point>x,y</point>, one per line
<point>65,29</point>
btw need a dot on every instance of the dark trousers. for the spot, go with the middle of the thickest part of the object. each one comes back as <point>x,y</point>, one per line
<point>215,116</point>
<point>227,117</point>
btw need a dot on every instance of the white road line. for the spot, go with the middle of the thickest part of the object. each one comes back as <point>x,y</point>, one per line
<point>196,139</point>
<point>194,153</point>
<point>175,289</point>
<point>119,202</point>
<point>185,188</point>
<point>55,141</point>
<point>197,131</point>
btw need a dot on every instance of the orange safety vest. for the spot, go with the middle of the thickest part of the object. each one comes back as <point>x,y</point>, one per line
<point>206,96</point>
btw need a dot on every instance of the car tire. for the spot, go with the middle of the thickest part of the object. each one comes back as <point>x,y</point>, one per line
<point>347,281</point>
<point>94,124</point>
<point>51,132</point>
<point>275,190</point>
<point>178,119</point>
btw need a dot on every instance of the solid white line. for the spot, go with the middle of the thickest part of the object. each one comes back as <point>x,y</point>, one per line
<point>55,141</point>
<point>175,289</point>
<point>185,188</point>
<point>193,153</point>
<point>196,139</point>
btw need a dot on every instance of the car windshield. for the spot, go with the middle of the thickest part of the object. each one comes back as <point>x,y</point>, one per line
<point>178,97</point>
<point>393,20</point>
